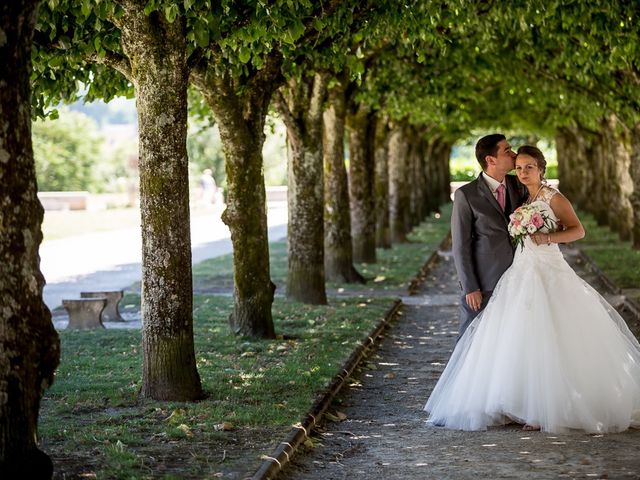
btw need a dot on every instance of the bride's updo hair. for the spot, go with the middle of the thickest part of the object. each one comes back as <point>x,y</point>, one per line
<point>536,154</point>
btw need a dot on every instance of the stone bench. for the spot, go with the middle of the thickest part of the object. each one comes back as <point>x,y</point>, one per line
<point>85,313</point>
<point>111,312</point>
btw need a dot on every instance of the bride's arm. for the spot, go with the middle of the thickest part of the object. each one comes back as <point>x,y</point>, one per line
<point>573,229</point>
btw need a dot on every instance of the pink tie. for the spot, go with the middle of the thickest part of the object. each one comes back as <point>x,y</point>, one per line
<point>500,192</point>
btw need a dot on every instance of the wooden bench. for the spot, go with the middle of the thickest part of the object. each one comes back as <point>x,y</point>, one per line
<point>85,313</point>
<point>111,312</point>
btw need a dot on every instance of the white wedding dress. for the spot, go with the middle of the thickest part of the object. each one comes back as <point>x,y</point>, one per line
<point>547,350</point>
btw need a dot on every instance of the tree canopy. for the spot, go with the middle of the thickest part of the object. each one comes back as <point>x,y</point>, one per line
<point>454,64</point>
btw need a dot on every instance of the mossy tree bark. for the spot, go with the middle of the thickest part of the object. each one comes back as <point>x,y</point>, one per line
<point>398,184</point>
<point>599,193</point>
<point>29,345</point>
<point>381,154</point>
<point>563,139</point>
<point>431,194</point>
<point>157,54</point>
<point>634,172</point>
<point>361,125</point>
<point>338,246</point>
<point>418,177</point>
<point>300,104</point>
<point>445,184</point>
<point>439,178</point>
<point>621,187</point>
<point>572,165</point>
<point>240,108</point>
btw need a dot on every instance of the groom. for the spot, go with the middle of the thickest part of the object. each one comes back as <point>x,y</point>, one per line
<point>482,248</point>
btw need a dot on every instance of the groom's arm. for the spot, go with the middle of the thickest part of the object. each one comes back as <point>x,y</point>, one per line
<point>461,235</point>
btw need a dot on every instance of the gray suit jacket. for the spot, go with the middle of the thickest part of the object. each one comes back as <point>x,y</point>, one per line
<point>482,248</point>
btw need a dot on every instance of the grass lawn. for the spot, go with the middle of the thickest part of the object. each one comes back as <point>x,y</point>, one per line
<point>94,425</point>
<point>392,273</point>
<point>616,259</point>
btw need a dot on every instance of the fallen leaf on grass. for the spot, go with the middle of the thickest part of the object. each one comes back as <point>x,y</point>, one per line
<point>185,429</point>
<point>224,426</point>
<point>390,375</point>
<point>175,415</point>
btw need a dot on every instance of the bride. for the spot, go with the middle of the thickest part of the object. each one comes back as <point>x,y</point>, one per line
<point>548,351</point>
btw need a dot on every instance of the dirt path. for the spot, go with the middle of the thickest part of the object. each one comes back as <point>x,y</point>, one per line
<point>384,435</point>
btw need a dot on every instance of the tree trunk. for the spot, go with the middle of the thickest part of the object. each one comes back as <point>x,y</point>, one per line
<point>398,185</point>
<point>621,187</point>
<point>29,345</point>
<point>444,183</point>
<point>300,106</point>
<point>157,51</point>
<point>361,124</point>
<point>338,247</point>
<point>381,145</point>
<point>413,181</point>
<point>599,192</point>
<point>634,172</point>
<point>240,109</point>
<point>566,174</point>
<point>420,176</point>
<point>574,165</point>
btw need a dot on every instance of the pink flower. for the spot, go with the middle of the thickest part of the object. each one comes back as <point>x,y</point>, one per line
<point>516,222</point>
<point>537,220</point>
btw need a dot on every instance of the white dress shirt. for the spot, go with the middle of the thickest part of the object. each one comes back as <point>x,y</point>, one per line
<point>493,185</point>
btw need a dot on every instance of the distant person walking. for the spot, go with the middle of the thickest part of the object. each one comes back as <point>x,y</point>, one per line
<point>208,187</point>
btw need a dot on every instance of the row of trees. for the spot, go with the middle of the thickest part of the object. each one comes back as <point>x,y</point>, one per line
<point>237,56</point>
<point>398,82</point>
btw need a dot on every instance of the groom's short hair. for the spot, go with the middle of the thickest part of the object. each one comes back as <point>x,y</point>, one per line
<point>488,145</point>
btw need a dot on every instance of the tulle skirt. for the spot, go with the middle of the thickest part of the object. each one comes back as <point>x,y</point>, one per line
<point>547,350</point>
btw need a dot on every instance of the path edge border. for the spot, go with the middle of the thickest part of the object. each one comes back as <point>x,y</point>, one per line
<point>281,455</point>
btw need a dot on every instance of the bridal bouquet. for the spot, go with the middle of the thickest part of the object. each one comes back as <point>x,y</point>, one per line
<point>526,220</point>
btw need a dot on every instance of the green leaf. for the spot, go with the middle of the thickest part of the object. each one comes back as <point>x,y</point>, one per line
<point>150,7</point>
<point>55,61</point>
<point>171,12</point>
<point>86,8</point>
<point>244,54</point>
<point>318,24</point>
<point>202,34</point>
<point>97,43</point>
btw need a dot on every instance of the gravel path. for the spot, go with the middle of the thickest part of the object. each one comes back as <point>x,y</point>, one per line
<point>384,435</point>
